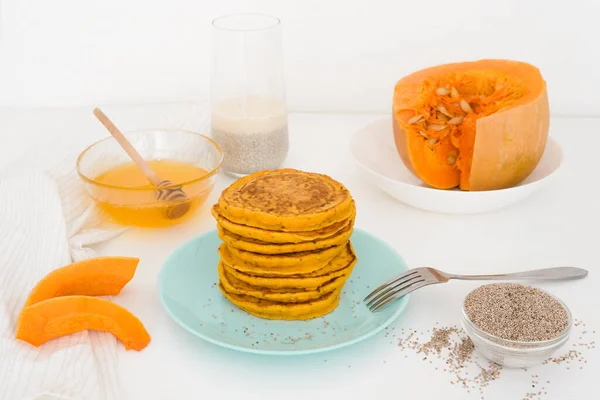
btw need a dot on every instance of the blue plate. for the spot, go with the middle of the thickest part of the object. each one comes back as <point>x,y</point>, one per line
<point>187,286</point>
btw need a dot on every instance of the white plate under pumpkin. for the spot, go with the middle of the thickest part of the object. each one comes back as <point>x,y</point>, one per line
<point>375,153</point>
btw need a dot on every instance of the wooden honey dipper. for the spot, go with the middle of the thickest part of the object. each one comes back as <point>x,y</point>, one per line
<point>174,193</point>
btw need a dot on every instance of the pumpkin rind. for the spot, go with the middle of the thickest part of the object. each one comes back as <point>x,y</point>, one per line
<point>508,152</point>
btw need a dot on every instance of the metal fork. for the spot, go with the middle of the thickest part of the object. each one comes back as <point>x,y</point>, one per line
<point>417,278</point>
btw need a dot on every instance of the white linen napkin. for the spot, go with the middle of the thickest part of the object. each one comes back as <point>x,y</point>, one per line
<point>47,220</point>
<point>34,240</point>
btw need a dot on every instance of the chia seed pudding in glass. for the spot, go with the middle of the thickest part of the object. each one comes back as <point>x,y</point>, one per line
<point>248,108</point>
<point>253,134</point>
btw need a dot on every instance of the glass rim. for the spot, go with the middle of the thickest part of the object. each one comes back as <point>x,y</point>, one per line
<point>275,22</point>
<point>93,181</point>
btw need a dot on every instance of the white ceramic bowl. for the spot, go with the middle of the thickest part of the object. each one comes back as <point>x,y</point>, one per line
<point>374,151</point>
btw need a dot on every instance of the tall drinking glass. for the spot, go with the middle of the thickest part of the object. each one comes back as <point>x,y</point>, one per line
<point>248,107</point>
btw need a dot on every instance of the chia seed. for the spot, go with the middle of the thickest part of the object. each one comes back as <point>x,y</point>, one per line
<point>246,153</point>
<point>439,340</point>
<point>516,312</point>
<point>452,352</point>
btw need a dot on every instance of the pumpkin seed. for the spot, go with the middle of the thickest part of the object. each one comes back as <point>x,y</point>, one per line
<point>465,106</point>
<point>433,141</point>
<point>414,119</point>
<point>441,117</point>
<point>456,120</point>
<point>454,93</point>
<point>453,153</point>
<point>436,128</point>
<point>444,111</point>
<point>451,160</point>
<point>442,91</point>
<point>424,134</point>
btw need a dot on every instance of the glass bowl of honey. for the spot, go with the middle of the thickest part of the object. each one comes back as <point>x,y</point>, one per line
<point>189,160</point>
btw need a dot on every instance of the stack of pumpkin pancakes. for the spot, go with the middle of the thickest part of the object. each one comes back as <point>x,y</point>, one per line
<point>286,251</point>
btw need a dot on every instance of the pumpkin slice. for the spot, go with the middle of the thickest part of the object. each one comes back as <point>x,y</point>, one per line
<point>61,316</point>
<point>478,125</point>
<point>100,276</point>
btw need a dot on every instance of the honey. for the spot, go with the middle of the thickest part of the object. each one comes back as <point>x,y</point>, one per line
<point>124,193</point>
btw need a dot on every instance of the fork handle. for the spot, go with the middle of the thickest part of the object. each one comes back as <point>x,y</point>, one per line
<point>556,274</point>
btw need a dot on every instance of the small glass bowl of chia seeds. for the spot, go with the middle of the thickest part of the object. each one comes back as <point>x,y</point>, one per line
<point>514,325</point>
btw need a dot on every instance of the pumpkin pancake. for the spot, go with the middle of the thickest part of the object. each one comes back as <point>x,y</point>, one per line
<point>283,295</point>
<point>255,246</point>
<point>285,311</point>
<point>269,236</point>
<point>278,264</point>
<point>311,264</point>
<point>286,200</point>
<point>342,265</point>
<point>312,269</point>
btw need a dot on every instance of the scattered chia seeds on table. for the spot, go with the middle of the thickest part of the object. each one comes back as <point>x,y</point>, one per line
<point>440,339</point>
<point>516,312</point>
<point>451,346</point>
<point>449,350</point>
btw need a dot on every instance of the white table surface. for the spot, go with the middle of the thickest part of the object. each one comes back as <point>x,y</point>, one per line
<point>556,226</point>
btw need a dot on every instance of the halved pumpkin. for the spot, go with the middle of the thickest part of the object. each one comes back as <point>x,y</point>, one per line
<point>478,125</point>
<point>61,316</point>
<point>100,276</point>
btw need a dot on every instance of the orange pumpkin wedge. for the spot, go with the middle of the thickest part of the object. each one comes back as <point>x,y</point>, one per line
<point>479,125</point>
<point>61,316</point>
<point>100,276</point>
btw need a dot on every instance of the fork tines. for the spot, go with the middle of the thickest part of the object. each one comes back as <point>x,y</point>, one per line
<point>395,288</point>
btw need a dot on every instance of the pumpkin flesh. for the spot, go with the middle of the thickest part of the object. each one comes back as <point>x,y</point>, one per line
<point>61,316</point>
<point>477,125</point>
<point>99,276</point>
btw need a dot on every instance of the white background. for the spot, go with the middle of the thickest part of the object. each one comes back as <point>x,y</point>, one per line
<point>340,55</point>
